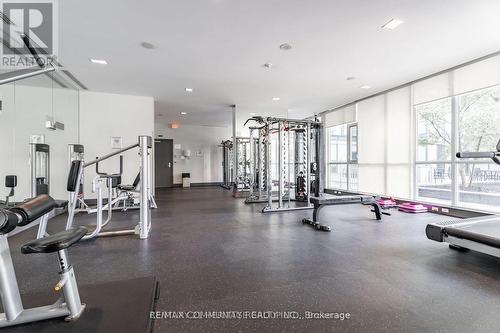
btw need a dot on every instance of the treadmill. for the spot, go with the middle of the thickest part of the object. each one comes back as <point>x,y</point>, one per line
<point>481,234</point>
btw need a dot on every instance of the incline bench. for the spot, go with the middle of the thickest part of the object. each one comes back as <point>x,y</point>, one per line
<point>330,199</point>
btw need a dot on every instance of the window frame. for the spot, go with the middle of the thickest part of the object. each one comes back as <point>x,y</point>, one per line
<point>454,162</point>
<point>348,161</point>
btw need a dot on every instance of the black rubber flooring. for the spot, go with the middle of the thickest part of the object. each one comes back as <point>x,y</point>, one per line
<point>120,306</point>
<point>213,253</point>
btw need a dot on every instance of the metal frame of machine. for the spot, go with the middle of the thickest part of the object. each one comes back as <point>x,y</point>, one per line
<point>241,162</point>
<point>147,201</point>
<point>39,169</point>
<point>227,164</point>
<point>297,138</point>
<point>258,166</point>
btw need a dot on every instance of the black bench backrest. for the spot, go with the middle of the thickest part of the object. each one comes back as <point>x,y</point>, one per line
<point>136,180</point>
<point>73,178</point>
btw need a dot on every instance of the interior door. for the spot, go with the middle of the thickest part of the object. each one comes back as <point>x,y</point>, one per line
<point>164,162</point>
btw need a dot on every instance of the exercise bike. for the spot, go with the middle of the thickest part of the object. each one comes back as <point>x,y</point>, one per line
<point>69,304</point>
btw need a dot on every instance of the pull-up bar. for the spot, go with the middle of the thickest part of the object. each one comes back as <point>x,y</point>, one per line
<point>29,72</point>
<point>105,157</point>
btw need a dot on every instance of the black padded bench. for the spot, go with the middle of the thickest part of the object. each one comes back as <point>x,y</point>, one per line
<point>330,199</point>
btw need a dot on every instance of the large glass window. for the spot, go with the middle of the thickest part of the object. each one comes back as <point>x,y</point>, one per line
<point>342,156</point>
<point>337,144</point>
<point>353,143</point>
<point>410,136</point>
<point>440,177</point>
<point>434,144</point>
<point>434,182</point>
<point>434,131</point>
<point>478,130</point>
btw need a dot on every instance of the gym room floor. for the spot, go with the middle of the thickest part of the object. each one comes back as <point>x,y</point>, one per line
<point>211,252</point>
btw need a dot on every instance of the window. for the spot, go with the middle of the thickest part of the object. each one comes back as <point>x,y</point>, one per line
<point>440,176</point>
<point>434,151</point>
<point>353,143</point>
<point>337,139</point>
<point>478,130</point>
<point>410,136</point>
<point>342,157</point>
<point>434,131</point>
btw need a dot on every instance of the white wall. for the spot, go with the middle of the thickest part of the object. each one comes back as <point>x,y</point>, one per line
<point>103,116</point>
<point>205,163</point>
<point>24,112</point>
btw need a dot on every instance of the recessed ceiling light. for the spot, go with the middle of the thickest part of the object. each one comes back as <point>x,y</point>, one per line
<point>189,89</point>
<point>365,86</point>
<point>184,113</point>
<point>285,46</point>
<point>350,78</point>
<point>98,61</point>
<point>147,45</point>
<point>276,99</point>
<point>268,65</point>
<point>392,24</point>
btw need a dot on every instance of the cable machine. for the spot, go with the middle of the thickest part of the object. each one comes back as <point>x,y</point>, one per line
<point>39,169</point>
<point>287,156</point>
<point>76,152</point>
<point>147,201</point>
<point>242,158</point>
<point>227,164</point>
<point>258,166</point>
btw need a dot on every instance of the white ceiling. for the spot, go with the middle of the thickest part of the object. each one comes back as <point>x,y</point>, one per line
<point>218,47</point>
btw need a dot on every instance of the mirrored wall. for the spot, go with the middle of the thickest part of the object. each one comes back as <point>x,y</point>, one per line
<point>38,119</point>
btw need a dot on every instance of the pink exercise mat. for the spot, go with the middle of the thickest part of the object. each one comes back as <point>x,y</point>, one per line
<point>387,203</point>
<point>409,207</point>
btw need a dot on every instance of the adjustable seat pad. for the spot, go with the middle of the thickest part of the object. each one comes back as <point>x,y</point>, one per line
<point>133,186</point>
<point>34,208</point>
<point>56,242</point>
<point>8,221</point>
<point>61,203</point>
<point>126,187</point>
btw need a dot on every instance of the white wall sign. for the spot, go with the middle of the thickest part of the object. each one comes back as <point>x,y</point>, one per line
<point>37,138</point>
<point>116,142</point>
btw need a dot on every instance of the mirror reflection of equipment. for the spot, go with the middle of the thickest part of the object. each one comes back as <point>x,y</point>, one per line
<point>39,169</point>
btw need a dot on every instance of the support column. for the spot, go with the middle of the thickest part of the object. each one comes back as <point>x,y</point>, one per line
<point>145,143</point>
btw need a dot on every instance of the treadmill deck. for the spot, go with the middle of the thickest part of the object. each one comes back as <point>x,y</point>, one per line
<point>484,230</point>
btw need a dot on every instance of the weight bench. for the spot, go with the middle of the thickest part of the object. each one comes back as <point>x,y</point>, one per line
<point>329,200</point>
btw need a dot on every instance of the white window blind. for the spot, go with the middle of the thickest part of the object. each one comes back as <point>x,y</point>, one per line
<point>341,116</point>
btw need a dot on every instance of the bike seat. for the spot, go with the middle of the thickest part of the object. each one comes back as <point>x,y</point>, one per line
<point>53,243</point>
